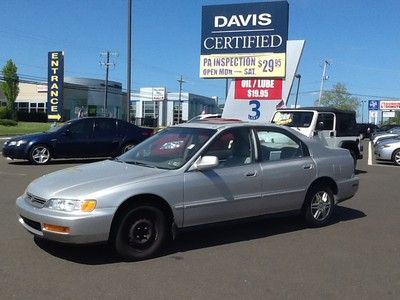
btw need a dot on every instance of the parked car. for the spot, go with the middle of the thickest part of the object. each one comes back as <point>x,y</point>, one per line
<point>204,117</point>
<point>387,135</point>
<point>333,127</point>
<point>186,175</point>
<point>80,138</point>
<point>366,129</point>
<point>388,150</point>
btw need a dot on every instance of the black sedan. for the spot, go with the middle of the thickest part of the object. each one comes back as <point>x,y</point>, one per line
<point>80,138</point>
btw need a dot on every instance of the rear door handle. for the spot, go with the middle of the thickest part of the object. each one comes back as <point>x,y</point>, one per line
<point>308,167</point>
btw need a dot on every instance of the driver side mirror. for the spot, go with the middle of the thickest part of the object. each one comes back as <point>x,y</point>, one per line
<point>206,163</point>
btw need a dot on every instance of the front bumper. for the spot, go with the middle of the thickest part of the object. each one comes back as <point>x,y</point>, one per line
<point>347,189</point>
<point>84,227</point>
<point>15,152</point>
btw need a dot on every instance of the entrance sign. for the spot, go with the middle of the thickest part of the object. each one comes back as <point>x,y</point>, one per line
<point>244,40</point>
<point>55,82</point>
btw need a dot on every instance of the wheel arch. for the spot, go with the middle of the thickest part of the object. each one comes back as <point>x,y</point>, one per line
<point>138,200</point>
<point>324,181</point>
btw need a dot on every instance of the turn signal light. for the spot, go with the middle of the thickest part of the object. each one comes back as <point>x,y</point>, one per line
<point>55,228</point>
<point>88,205</point>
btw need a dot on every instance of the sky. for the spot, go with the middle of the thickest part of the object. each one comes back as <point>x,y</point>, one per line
<point>360,39</point>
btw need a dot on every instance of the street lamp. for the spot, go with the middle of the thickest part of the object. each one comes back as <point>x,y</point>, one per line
<point>298,76</point>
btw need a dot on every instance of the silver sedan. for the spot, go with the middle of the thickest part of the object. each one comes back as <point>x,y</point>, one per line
<point>188,175</point>
<point>388,150</point>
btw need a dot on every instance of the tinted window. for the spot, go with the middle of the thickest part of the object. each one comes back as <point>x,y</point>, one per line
<point>278,146</point>
<point>327,121</point>
<point>346,124</point>
<point>105,128</point>
<point>81,129</point>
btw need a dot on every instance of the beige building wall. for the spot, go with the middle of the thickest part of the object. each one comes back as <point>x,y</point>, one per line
<point>32,92</point>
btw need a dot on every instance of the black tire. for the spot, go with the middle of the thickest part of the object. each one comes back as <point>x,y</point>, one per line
<point>140,233</point>
<point>396,157</point>
<point>354,156</point>
<point>318,206</point>
<point>39,154</point>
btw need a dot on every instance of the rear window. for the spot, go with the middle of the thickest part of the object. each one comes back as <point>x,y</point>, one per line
<point>293,119</point>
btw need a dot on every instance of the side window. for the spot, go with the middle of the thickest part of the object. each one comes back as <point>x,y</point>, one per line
<point>106,128</point>
<point>278,146</point>
<point>81,129</point>
<point>326,120</point>
<point>232,147</point>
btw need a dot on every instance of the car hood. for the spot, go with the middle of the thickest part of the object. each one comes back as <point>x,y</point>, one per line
<point>81,181</point>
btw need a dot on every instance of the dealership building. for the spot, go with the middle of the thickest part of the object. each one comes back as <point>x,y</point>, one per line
<point>85,97</point>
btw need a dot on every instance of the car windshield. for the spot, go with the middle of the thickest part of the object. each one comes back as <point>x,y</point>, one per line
<point>293,119</point>
<point>169,149</point>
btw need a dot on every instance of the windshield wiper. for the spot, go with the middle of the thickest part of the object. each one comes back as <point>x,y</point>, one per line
<point>139,163</point>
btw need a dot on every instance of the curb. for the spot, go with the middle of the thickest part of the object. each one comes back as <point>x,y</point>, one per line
<point>5,138</point>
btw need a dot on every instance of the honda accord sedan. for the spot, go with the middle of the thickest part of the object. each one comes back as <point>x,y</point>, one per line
<point>80,138</point>
<point>187,175</point>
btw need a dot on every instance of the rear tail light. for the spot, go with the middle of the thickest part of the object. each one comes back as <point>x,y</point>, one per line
<point>149,132</point>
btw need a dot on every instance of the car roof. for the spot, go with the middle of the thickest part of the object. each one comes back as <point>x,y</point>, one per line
<point>319,109</point>
<point>222,123</point>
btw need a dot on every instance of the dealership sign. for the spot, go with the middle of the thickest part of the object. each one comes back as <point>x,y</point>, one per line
<point>244,40</point>
<point>55,81</point>
<point>390,105</point>
<point>261,89</point>
<point>373,104</point>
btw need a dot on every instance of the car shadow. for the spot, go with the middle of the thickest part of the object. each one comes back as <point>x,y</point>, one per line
<point>360,172</point>
<point>204,237</point>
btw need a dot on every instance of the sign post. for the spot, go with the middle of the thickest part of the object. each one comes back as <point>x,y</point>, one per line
<point>55,82</point>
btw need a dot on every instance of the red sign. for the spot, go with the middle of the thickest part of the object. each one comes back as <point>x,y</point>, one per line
<point>260,89</point>
<point>390,105</point>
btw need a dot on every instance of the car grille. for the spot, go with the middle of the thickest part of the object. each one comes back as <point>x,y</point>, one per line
<point>35,201</point>
<point>33,224</point>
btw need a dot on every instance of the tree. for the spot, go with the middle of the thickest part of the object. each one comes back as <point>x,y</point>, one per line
<point>340,98</point>
<point>10,85</point>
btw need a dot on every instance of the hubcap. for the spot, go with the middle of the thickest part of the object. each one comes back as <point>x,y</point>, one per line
<point>40,155</point>
<point>397,157</point>
<point>320,206</point>
<point>141,233</point>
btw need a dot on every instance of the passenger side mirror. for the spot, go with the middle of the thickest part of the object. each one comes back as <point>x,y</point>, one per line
<point>206,163</point>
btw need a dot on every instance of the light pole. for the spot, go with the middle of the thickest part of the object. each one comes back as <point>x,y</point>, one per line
<point>129,62</point>
<point>181,81</point>
<point>324,77</point>
<point>298,76</point>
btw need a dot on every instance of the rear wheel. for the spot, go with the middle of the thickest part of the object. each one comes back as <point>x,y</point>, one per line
<point>127,147</point>
<point>140,233</point>
<point>396,157</point>
<point>319,205</point>
<point>39,155</point>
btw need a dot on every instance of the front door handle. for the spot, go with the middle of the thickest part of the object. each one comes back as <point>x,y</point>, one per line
<point>251,174</point>
<point>308,167</point>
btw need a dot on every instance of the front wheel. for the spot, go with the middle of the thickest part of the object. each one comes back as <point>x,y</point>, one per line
<point>396,157</point>
<point>319,205</point>
<point>140,233</point>
<point>127,147</point>
<point>39,155</point>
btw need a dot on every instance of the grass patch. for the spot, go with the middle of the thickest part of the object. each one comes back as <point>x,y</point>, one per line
<point>23,128</point>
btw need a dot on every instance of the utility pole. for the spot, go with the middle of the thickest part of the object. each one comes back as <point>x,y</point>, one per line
<point>129,62</point>
<point>106,65</point>
<point>324,77</point>
<point>181,81</point>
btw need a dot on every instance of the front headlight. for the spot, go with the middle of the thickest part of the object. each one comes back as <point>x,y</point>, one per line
<point>17,143</point>
<point>70,205</point>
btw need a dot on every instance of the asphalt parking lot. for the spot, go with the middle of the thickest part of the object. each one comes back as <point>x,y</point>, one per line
<point>356,257</point>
